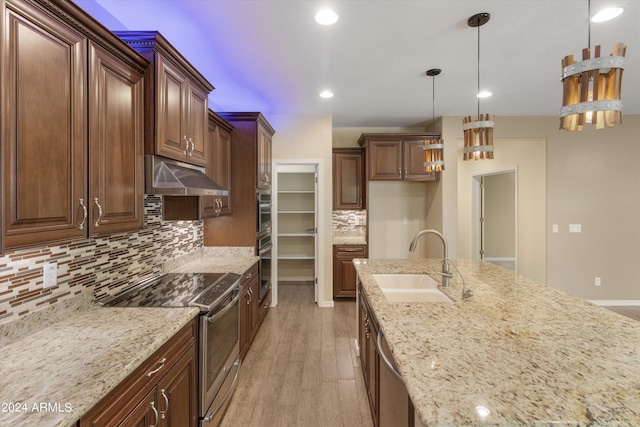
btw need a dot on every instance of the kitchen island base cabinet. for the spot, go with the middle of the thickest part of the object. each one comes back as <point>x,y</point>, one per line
<point>388,398</point>
<point>162,392</point>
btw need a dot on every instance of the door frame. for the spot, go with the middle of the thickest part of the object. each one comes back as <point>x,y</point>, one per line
<point>319,220</point>
<point>476,210</point>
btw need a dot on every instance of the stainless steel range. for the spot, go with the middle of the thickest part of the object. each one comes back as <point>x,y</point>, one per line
<point>217,296</point>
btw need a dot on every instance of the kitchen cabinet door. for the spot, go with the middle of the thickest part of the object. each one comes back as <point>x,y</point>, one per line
<point>177,393</point>
<point>171,126</point>
<point>414,162</point>
<point>116,177</point>
<point>44,67</point>
<point>349,186</point>
<point>385,160</point>
<point>264,176</point>
<point>143,415</point>
<point>344,272</point>
<point>218,166</point>
<point>197,119</point>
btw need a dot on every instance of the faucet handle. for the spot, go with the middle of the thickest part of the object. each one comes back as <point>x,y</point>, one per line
<point>466,294</point>
<point>444,274</point>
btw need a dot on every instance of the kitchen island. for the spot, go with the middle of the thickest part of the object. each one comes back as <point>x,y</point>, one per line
<point>527,353</point>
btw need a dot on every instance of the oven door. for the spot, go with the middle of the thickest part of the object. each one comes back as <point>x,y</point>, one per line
<point>263,211</point>
<point>219,351</point>
<point>264,250</point>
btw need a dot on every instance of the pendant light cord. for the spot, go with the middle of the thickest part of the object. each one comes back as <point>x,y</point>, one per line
<point>589,23</point>
<point>433,103</point>
<point>478,92</point>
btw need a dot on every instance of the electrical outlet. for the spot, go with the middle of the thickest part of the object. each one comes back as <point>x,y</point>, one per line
<point>195,234</point>
<point>597,281</point>
<point>50,273</point>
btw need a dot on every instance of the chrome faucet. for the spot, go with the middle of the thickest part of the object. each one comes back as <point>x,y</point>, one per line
<point>446,273</point>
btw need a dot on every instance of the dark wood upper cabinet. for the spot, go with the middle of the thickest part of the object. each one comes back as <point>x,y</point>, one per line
<point>176,97</point>
<point>397,156</point>
<point>116,176</point>
<point>219,166</point>
<point>55,76</point>
<point>349,182</point>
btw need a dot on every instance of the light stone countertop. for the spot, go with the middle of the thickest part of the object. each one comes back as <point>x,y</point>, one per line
<point>531,354</point>
<point>74,363</point>
<point>356,237</point>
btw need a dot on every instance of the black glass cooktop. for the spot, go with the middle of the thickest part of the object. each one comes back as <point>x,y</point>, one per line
<point>201,290</point>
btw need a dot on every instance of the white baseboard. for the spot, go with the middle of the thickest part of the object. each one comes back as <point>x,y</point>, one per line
<point>614,303</point>
<point>325,304</point>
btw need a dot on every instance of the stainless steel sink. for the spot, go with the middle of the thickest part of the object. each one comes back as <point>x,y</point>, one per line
<point>410,288</point>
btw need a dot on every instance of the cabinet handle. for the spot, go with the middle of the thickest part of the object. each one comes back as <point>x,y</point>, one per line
<point>266,178</point>
<point>99,212</point>
<point>193,146</point>
<point>155,411</point>
<point>166,404</point>
<point>84,209</point>
<point>250,295</point>
<point>150,373</point>
<point>186,145</point>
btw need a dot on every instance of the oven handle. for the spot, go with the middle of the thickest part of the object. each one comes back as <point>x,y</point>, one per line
<point>265,249</point>
<point>226,308</point>
<point>230,390</point>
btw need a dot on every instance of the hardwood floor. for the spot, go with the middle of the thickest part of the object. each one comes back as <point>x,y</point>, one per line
<point>302,369</point>
<point>632,312</point>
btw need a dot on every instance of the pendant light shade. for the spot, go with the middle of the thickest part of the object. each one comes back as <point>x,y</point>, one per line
<point>434,148</point>
<point>591,89</point>
<point>478,132</point>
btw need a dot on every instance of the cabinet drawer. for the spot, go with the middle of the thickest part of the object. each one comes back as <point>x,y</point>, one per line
<point>355,250</point>
<point>249,275</point>
<point>123,399</point>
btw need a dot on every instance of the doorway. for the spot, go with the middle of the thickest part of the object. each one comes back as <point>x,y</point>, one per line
<point>296,225</point>
<point>496,217</point>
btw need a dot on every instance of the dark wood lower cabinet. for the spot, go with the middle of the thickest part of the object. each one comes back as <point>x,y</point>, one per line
<point>252,311</point>
<point>162,392</point>
<point>344,273</point>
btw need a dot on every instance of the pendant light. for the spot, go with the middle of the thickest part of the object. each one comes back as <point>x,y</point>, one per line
<point>478,132</point>
<point>591,88</point>
<point>434,148</point>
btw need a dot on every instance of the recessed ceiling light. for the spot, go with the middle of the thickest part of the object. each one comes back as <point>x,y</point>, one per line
<point>326,17</point>
<point>484,94</point>
<point>326,94</point>
<point>607,14</point>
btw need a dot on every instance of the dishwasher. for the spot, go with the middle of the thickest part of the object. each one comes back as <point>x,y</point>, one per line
<point>394,405</point>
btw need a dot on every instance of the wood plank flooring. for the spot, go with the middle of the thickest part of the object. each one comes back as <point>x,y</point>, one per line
<point>302,369</point>
<point>632,312</point>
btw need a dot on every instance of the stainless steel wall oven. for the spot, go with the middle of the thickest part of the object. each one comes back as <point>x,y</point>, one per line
<point>263,211</point>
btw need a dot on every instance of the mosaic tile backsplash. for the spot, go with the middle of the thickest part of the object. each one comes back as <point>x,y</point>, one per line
<point>343,220</point>
<point>98,266</point>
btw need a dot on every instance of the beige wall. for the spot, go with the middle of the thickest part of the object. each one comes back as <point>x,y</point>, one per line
<point>526,156</point>
<point>309,138</point>
<point>592,179</point>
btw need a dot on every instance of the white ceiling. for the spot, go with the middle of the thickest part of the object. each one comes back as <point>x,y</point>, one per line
<point>271,56</point>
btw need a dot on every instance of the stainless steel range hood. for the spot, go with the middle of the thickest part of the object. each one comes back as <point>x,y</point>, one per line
<point>164,176</point>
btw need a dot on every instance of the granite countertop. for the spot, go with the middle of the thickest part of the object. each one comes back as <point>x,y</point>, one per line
<point>74,361</point>
<point>528,353</point>
<point>71,365</point>
<point>349,238</point>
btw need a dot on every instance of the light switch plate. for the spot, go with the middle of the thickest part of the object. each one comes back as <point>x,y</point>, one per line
<point>554,228</point>
<point>575,228</point>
